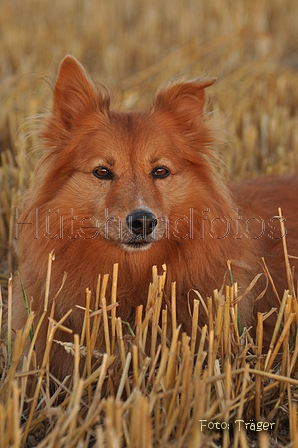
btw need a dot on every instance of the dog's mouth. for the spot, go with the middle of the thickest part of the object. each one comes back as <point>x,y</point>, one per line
<point>139,244</point>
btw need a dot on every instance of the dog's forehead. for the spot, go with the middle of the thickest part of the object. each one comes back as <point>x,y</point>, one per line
<point>124,139</point>
<point>133,133</point>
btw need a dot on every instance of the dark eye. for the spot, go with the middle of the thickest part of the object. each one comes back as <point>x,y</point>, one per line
<point>160,172</point>
<point>103,173</point>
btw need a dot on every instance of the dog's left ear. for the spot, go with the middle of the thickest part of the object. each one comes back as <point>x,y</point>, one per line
<point>75,95</point>
<point>185,100</point>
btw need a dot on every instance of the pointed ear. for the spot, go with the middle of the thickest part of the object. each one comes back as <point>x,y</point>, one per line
<point>74,93</point>
<point>185,100</point>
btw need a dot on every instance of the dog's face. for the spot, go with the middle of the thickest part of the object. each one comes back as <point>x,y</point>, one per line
<point>124,175</point>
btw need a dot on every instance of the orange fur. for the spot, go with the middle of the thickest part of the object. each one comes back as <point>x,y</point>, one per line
<point>198,226</point>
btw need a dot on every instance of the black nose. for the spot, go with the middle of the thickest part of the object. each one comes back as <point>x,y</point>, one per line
<point>141,222</point>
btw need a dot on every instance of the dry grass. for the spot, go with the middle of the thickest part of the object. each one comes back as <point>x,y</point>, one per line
<point>158,398</point>
<point>175,395</point>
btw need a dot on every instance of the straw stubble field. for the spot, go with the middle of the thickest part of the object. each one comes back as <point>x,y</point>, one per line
<point>227,392</point>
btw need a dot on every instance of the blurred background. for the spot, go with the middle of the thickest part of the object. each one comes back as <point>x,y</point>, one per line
<point>135,46</point>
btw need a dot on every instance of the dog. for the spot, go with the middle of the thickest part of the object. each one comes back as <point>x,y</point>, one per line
<point>141,188</point>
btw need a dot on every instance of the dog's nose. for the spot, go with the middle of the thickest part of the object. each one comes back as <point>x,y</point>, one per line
<point>141,222</point>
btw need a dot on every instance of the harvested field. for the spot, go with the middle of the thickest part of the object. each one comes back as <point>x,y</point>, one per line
<point>228,392</point>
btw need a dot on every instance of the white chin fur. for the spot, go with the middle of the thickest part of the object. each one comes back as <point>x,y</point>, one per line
<point>136,248</point>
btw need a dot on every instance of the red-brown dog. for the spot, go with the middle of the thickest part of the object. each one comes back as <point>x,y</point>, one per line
<point>141,189</point>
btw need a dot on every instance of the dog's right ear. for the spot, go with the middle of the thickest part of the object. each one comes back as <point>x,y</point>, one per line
<point>74,94</point>
<point>184,100</point>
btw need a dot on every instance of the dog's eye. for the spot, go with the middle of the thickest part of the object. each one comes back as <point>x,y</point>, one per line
<point>160,172</point>
<point>102,173</point>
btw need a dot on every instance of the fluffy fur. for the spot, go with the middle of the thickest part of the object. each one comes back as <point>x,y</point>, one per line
<point>103,167</point>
